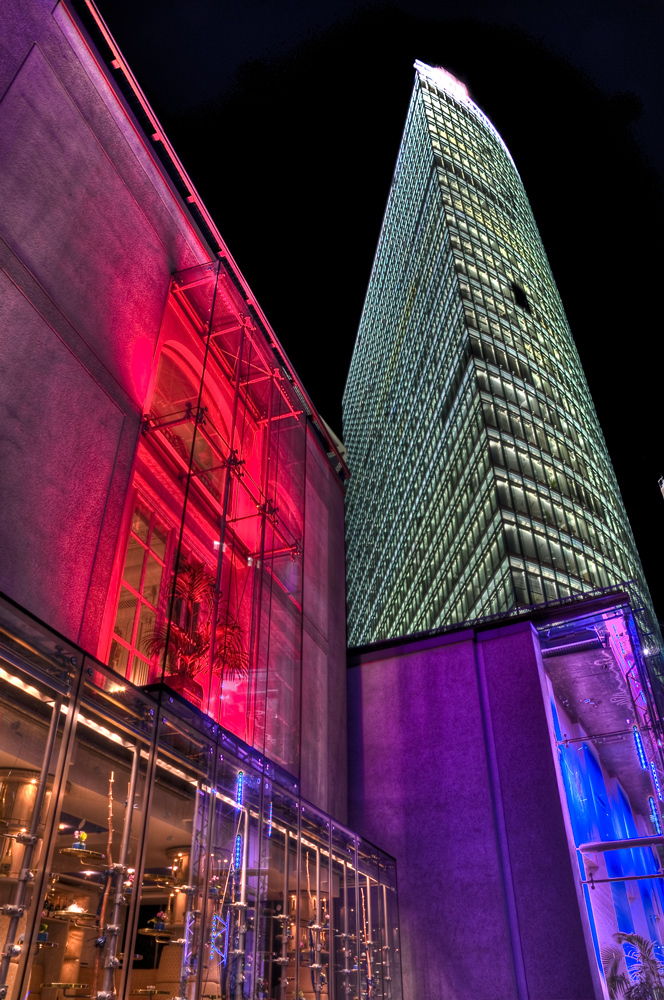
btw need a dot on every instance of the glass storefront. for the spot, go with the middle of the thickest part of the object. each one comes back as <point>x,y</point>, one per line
<point>608,744</point>
<point>148,852</point>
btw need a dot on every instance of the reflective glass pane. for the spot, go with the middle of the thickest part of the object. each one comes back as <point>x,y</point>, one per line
<point>134,563</point>
<point>158,539</point>
<point>140,523</point>
<point>152,581</point>
<point>124,622</point>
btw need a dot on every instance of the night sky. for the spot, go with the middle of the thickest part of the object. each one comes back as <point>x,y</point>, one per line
<point>288,117</point>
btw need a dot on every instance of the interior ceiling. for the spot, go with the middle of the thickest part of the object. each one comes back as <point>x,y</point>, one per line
<point>590,686</point>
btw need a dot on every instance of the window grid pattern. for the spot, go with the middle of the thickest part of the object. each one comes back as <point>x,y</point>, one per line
<point>480,476</point>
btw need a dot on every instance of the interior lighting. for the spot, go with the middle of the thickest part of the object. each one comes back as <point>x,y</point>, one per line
<point>237,861</point>
<point>239,788</point>
<point>269,822</point>
<point>655,817</point>
<point>19,682</point>
<point>641,754</point>
<point>655,778</point>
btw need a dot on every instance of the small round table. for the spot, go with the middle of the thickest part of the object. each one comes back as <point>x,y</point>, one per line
<point>82,854</point>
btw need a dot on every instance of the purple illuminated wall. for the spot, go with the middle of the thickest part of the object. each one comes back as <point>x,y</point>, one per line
<point>452,771</point>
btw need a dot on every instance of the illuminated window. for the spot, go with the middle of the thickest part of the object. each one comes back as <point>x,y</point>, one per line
<point>140,592</point>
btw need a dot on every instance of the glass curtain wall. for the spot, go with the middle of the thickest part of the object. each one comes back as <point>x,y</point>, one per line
<point>607,740</point>
<point>147,852</point>
<point>480,477</point>
<point>208,587</point>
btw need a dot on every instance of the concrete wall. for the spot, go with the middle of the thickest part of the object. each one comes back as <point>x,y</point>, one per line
<point>89,235</point>
<point>451,770</point>
<point>324,746</point>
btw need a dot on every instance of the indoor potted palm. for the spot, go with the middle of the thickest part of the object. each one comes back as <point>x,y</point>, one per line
<point>645,979</point>
<point>188,641</point>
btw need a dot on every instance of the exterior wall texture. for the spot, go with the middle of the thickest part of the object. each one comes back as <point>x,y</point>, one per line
<point>480,476</point>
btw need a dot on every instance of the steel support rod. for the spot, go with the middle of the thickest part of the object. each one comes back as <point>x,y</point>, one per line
<point>285,923</point>
<point>242,911</point>
<point>119,872</point>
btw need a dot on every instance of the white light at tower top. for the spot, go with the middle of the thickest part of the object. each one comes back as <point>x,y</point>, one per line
<point>446,81</point>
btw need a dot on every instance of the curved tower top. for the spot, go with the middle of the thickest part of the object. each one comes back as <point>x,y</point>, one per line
<point>480,479</point>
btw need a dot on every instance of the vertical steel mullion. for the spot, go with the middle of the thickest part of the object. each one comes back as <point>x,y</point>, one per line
<point>258,592</point>
<point>285,924</point>
<point>185,496</point>
<point>117,885</point>
<point>258,907</point>
<point>223,517</point>
<point>131,927</point>
<point>298,879</point>
<point>207,850</point>
<point>331,985</point>
<point>357,917</point>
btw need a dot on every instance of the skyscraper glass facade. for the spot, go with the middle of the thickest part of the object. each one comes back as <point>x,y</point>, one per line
<point>480,479</point>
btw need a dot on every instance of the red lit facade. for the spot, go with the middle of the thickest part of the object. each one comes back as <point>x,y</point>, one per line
<point>171,500</point>
<point>207,587</point>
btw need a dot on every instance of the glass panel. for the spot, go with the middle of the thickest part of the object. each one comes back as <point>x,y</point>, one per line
<point>140,524</point>
<point>612,772</point>
<point>344,914</point>
<point>314,936</point>
<point>124,622</point>
<point>371,954</point>
<point>37,673</point>
<point>158,540</point>
<point>134,563</point>
<point>145,631</point>
<point>389,929</point>
<point>174,866</point>
<point>276,960</point>
<point>119,658</point>
<point>171,866</point>
<point>152,582</point>
<point>224,415</point>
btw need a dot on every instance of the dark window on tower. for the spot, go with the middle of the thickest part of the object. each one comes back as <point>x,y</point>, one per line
<point>520,296</point>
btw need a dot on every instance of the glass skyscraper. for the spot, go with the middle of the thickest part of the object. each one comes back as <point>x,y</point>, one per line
<point>480,479</point>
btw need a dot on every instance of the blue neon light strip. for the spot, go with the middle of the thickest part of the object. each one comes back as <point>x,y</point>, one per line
<point>654,817</point>
<point>638,742</point>
<point>655,778</point>
<point>238,852</point>
<point>239,789</point>
<point>269,822</point>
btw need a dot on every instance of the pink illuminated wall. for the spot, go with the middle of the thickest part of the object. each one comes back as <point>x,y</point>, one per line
<point>207,591</point>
